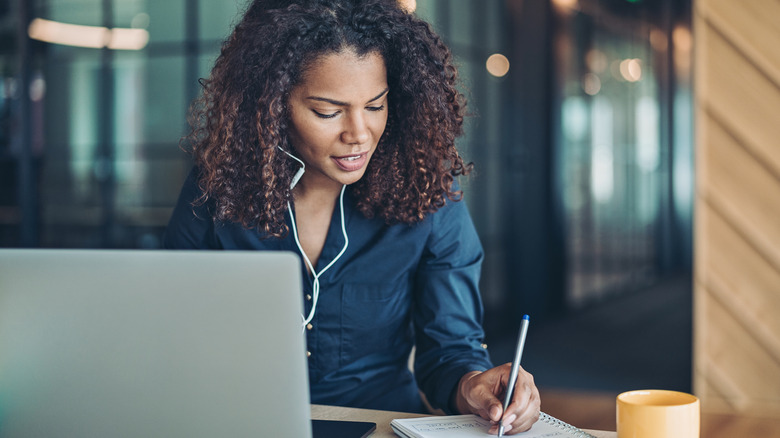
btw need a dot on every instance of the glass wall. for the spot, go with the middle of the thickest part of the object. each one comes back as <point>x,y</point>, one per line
<point>112,118</point>
<point>620,138</point>
<point>583,148</point>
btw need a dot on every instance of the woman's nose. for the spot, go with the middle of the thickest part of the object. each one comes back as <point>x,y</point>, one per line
<point>356,130</point>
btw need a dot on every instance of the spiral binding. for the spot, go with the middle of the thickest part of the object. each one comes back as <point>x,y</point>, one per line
<point>574,431</point>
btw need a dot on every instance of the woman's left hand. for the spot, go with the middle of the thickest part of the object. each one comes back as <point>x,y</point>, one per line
<point>479,392</point>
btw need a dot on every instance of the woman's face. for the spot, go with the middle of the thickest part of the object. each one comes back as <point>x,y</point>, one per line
<point>338,114</point>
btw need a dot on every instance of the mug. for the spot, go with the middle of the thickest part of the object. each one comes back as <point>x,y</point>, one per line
<point>655,413</point>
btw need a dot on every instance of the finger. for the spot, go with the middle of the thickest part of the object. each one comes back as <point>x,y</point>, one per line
<point>522,397</point>
<point>508,420</point>
<point>484,403</point>
<point>495,412</point>
<point>499,377</point>
<point>523,393</point>
<point>527,407</point>
<point>524,425</point>
<point>493,408</point>
<point>531,411</point>
<point>485,388</point>
<point>494,430</point>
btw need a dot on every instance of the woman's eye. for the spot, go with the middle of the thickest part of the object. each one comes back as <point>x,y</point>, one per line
<point>325,115</point>
<point>375,108</point>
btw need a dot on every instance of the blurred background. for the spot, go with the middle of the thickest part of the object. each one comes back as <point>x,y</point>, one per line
<point>580,128</point>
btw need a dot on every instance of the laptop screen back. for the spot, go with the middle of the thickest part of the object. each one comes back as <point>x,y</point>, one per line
<point>122,343</point>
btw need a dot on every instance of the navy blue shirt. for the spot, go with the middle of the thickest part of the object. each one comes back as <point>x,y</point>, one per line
<point>395,287</point>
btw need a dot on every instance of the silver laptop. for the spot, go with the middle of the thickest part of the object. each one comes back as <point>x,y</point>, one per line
<point>130,343</point>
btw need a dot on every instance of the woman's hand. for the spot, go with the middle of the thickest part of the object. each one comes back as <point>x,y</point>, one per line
<point>483,393</point>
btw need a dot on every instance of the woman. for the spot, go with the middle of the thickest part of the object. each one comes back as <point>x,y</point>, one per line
<point>327,128</point>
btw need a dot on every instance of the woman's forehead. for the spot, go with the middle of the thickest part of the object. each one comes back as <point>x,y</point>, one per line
<point>345,74</point>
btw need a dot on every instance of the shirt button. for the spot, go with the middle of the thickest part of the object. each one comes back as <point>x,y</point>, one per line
<point>308,297</point>
<point>308,354</point>
<point>484,346</point>
<point>309,326</point>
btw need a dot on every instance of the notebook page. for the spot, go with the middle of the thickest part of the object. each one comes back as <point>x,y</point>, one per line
<point>456,426</point>
<point>465,426</point>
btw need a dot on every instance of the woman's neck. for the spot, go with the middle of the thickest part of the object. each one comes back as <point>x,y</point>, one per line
<point>314,207</point>
<point>313,192</point>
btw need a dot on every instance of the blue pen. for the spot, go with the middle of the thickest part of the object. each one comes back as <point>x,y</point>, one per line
<point>510,389</point>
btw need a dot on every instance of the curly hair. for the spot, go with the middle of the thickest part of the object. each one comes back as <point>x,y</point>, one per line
<point>242,118</point>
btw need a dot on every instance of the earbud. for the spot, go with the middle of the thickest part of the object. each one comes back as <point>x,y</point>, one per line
<point>300,171</point>
<point>297,177</point>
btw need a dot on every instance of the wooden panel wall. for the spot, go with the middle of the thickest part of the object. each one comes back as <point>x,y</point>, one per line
<point>737,225</point>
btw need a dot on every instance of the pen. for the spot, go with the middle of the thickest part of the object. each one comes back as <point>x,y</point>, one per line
<point>510,389</point>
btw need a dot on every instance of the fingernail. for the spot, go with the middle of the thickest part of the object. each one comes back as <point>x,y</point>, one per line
<point>509,420</point>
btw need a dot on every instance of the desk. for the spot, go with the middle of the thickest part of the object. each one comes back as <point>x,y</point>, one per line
<point>383,418</point>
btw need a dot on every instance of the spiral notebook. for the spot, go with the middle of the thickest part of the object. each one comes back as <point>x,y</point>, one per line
<point>464,426</point>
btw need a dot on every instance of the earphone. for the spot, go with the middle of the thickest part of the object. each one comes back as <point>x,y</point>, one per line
<point>300,171</point>
<point>316,283</point>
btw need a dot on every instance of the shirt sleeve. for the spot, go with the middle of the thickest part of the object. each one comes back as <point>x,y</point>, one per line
<point>448,307</point>
<point>191,225</point>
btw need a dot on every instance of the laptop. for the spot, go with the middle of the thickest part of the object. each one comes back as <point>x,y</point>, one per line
<point>132,343</point>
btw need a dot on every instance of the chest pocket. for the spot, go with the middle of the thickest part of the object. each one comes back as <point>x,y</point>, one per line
<point>375,319</point>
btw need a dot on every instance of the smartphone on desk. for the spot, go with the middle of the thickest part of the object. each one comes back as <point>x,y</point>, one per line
<point>341,429</point>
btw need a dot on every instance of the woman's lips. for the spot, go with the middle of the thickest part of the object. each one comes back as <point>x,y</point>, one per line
<point>351,163</point>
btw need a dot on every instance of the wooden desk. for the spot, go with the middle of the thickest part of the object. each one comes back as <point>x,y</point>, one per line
<point>383,418</point>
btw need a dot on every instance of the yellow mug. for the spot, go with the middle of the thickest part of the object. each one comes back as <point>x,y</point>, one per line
<point>656,413</point>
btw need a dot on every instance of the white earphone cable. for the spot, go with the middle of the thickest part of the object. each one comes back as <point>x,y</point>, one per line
<point>316,282</point>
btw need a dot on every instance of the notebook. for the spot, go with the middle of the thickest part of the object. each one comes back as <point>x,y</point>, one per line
<point>130,343</point>
<point>468,426</point>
